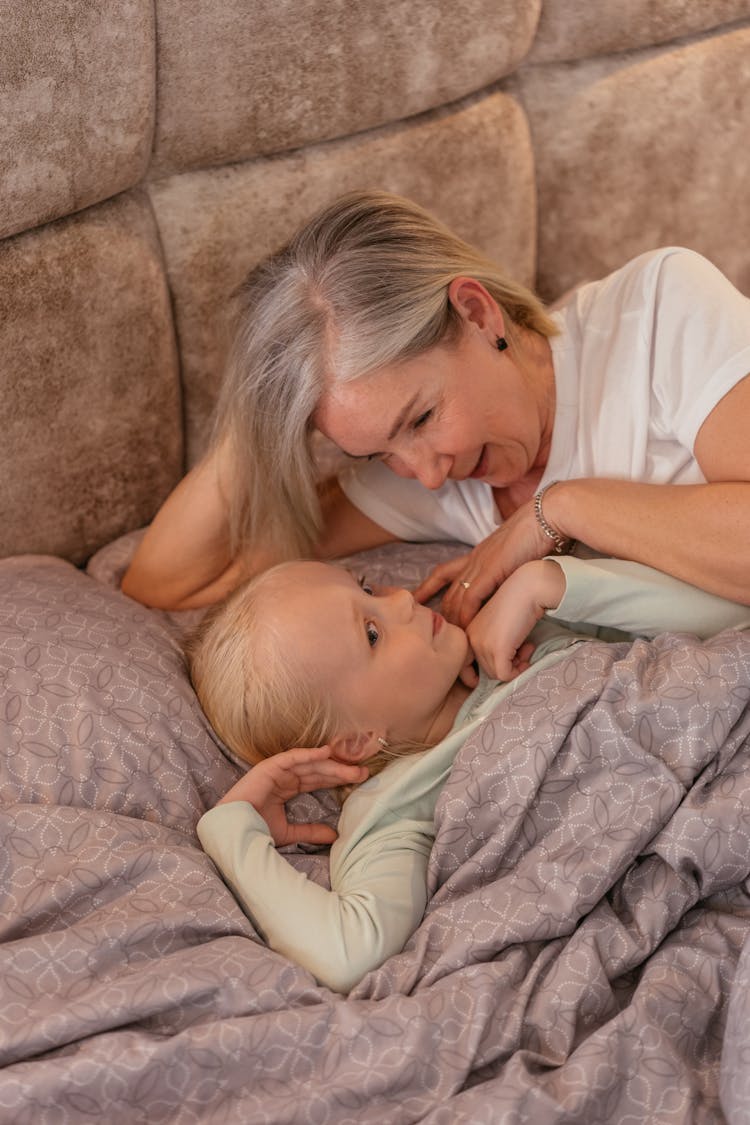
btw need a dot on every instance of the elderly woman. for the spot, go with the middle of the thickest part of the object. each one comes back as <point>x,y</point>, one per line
<point>620,421</point>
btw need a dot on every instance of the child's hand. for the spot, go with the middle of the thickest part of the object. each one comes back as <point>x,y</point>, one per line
<point>274,781</point>
<point>498,632</point>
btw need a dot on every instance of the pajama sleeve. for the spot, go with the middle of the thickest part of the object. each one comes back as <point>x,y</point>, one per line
<point>377,899</point>
<point>615,593</point>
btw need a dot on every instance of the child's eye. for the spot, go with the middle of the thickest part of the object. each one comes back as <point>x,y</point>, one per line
<point>373,636</point>
<point>365,585</point>
<point>421,420</point>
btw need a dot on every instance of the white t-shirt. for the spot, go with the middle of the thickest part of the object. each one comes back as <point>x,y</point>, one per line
<point>642,358</point>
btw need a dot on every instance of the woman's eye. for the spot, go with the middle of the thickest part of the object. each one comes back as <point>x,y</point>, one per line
<point>373,636</point>
<point>421,420</point>
<point>365,586</point>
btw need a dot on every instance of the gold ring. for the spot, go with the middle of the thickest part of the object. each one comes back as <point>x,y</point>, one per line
<point>466,585</point>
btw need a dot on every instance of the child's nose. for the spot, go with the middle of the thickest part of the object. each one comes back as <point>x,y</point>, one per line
<point>402,602</point>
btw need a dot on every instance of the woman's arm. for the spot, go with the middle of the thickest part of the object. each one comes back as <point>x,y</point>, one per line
<point>697,533</point>
<point>184,560</point>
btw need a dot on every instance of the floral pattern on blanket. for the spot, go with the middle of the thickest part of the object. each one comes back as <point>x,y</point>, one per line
<point>581,955</point>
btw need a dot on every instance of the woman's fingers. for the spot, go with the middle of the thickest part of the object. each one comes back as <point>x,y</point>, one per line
<point>442,575</point>
<point>466,596</point>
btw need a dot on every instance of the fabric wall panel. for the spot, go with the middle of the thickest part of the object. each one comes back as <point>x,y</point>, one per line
<point>472,166</point>
<point>76,105</point>
<point>569,29</point>
<point>238,80</point>
<point>90,409</point>
<point>637,151</point>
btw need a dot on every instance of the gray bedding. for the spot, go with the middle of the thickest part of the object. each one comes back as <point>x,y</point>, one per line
<point>584,956</point>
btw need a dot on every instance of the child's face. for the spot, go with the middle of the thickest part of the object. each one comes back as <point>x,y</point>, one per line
<point>387,662</point>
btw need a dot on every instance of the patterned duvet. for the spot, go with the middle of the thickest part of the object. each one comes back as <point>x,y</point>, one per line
<point>581,958</point>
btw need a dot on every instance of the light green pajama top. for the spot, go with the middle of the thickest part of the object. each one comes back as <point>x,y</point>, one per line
<point>378,864</point>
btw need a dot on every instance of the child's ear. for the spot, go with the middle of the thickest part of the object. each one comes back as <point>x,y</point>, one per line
<point>354,748</point>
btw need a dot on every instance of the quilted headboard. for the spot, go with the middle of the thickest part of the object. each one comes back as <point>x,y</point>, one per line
<point>152,151</point>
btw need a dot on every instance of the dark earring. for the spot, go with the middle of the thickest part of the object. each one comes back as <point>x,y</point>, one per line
<point>501,343</point>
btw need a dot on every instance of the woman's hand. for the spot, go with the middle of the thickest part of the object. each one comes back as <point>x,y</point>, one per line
<point>474,577</point>
<point>274,781</point>
<point>498,632</point>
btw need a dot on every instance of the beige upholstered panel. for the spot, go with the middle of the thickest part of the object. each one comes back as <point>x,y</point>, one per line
<point>90,409</point>
<point>76,105</point>
<point>473,167</point>
<point>261,111</point>
<point>239,79</point>
<point>639,151</point>
<point>572,29</point>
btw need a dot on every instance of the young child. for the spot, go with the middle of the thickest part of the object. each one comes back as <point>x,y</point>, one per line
<point>356,679</point>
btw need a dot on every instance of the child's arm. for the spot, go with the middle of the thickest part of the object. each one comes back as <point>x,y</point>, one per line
<point>610,593</point>
<point>498,631</point>
<point>379,884</point>
<point>640,600</point>
<point>273,782</point>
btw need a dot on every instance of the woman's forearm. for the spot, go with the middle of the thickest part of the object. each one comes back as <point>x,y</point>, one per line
<point>699,533</point>
<point>184,559</point>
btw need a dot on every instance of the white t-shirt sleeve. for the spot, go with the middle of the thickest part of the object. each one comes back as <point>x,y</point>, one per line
<point>700,341</point>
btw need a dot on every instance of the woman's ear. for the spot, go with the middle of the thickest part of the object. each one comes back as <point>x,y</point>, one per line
<point>475,306</point>
<point>354,748</point>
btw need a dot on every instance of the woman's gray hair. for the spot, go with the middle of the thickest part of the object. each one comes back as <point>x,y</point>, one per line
<point>362,285</point>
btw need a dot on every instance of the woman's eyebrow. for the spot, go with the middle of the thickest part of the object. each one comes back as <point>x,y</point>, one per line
<point>396,428</point>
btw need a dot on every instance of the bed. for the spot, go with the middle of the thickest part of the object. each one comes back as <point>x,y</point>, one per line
<point>584,956</point>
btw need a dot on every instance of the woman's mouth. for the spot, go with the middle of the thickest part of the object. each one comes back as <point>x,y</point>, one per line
<point>437,623</point>
<point>480,469</point>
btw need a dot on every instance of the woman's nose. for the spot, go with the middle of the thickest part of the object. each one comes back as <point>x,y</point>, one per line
<point>432,472</point>
<point>430,469</point>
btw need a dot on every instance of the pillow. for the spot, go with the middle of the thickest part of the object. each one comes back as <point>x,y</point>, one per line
<point>96,706</point>
<point>403,564</point>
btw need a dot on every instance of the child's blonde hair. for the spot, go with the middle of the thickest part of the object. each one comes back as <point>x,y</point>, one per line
<point>255,690</point>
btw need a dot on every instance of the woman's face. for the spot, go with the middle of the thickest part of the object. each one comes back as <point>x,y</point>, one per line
<point>456,411</point>
<point>387,662</point>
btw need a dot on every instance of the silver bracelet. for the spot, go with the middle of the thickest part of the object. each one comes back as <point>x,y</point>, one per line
<point>562,545</point>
